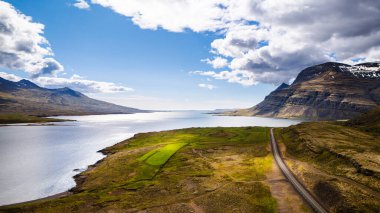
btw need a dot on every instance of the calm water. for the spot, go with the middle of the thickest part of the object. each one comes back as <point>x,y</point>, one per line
<point>38,161</point>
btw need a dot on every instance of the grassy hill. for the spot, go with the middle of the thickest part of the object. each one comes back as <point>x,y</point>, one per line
<point>188,170</point>
<point>338,161</point>
<point>368,122</point>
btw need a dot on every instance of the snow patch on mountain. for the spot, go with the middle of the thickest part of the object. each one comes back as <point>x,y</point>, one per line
<point>363,70</point>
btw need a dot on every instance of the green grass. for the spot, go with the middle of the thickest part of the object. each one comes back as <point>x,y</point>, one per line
<point>340,149</point>
<point>160,156</point>
<point>368,122</point>
<point>147,155</point>
<point>21,118</point>
<point>218,169</point>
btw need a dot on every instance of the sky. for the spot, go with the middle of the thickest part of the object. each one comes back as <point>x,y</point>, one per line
<point>181,54</point>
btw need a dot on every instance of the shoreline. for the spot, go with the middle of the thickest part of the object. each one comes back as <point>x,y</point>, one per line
<point>78,178</point>
<point>59,195</point>
<point>78,193</point>
<point>19,119</point>
<point>39,124</point>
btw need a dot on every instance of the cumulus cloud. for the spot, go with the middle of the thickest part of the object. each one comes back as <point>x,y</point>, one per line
<point>217,62</point>
<point>75,82</point>
<point>81,4</point>
<point>291,35</point>
<point>244,77</point>
<point>207,86</point>
<point>172,15</point>
<point>22,46</point>
<point>267,40</point>
<point>10,77</point>
<point>80,84</point>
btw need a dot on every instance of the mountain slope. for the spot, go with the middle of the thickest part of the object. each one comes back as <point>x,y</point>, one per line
<point>368,122</point>
<point>28,98</point>
<point>324,92</point>
<point>337,161</point>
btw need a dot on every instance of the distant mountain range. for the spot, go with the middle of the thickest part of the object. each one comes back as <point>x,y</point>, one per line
<point>28,98</point>
<point>327,91</point>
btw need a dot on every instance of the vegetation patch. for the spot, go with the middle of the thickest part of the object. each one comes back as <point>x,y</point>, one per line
<point>22,118</point>
<point>186,170</point>
<point>160,156</point>
<point>339,159</point>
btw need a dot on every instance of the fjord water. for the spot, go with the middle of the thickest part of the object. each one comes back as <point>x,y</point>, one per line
<point>39,161</point>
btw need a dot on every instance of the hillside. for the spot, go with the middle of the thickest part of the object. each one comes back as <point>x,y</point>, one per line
<point>369,121</point>
<point>27,98</point>
<point>327,91</point>
<point>187,170</point>
<point>337,161</point>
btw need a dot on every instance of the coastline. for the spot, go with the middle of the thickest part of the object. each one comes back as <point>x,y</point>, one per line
<point>46,119</point>
<point>78,178</point>
<point>259,116</point>
<point>59,195</point>
<point>143,143</point>
<point>39,124</point>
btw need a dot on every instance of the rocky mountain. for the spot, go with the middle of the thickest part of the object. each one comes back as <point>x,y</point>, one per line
<point>28,98</point>
<point>327,91</point>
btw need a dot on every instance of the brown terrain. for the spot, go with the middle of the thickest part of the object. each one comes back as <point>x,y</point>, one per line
<point>327,91</point>
<point>338,162</point>
<point>25,97</point>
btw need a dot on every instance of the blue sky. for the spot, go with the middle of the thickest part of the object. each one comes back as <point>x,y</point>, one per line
<point>182,54</point>
<point>105,46</point>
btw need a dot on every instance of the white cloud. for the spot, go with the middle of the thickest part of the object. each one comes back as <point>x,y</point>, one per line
<point>80,84</point>
<point>172,15</point>
<point>217,62</point>
<point>245,77</point>
<point>81,4</point>
<point>22,46</point>
<point>76,82</point>
<point>267,40</point>
<point>242,77</point>
<point>207,86</point>
<point>10,77</point>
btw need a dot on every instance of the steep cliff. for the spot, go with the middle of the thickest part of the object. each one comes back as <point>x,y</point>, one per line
<point>327,91</point>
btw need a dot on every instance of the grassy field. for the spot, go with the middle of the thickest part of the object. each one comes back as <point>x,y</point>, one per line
<point>338,161</point>
<point>160,156</point>
<point>188,170</point>
<point>21,118</point>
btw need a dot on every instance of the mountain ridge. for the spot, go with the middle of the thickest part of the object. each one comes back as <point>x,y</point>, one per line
<point>327,91</point>
<point>28,98</point>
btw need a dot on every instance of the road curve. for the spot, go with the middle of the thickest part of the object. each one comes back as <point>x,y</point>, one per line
<point>292,179</point>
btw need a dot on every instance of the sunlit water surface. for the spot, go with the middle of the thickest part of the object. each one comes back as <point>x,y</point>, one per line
<point>39,161</point>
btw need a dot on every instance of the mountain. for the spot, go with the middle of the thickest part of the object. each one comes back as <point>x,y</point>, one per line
<point>327,91</point>
<point>28,98</point>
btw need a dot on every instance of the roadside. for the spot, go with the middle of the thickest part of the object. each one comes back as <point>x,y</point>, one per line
<point>337,163</point>
<point>288,200</point>
<point>306,195</point>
